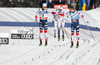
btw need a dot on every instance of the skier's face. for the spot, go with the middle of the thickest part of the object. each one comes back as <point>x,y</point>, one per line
<point>60,9</point>
<point>71,10</point>
<point>44,7</point>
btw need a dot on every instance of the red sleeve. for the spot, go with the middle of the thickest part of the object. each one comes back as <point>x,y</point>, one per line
<point>36,17</point>
<point>52,12</point>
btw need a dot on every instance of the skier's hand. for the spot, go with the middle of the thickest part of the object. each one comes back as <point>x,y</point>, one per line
<point>62,21</point>
<point>56,13</point>
<point>67,16</point>
<point>53,13</point>
<point>82,16</point>
<point>52,21</point>
<point>36,17</point>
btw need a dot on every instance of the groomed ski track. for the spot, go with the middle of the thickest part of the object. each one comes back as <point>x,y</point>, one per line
<point>28,52</point>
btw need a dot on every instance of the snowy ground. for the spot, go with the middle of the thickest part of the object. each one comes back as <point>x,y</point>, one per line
<point>27,52</point>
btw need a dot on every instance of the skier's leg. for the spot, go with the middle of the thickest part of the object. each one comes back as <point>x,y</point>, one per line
<point>80,4</point>
<point>72,34</point>
<point>55,25</point>
<point>41,32</point>
<point>45,31</point>
<point>63,30</point>
<point>46,37</point>
<point>58,30</point>
<point>77,35</point>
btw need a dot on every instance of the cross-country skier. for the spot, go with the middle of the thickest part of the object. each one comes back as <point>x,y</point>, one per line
<point>55,19</point>
<point>43,15</point>
<point>58,20</point>
<point>75,15</point>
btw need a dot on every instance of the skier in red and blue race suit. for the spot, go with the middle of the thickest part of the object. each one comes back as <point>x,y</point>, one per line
<point>59,19</point>
<point>75,15</point>
<point>43,16</point>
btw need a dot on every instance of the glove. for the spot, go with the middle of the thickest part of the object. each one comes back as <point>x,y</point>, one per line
<point>57,13</point>
<point>52,12</point>
<point>67,16</point>
<point>52,21</point>
<point>82,16</point>
<point>36,18</point>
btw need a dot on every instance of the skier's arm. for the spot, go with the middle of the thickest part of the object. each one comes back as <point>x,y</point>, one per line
<point>53,18</point>
<point>36,16</point>
<point>67,17</point>
<point>80,15</point>
<point>53,13</point>
<point>67,14</point>
<point>50,12</point>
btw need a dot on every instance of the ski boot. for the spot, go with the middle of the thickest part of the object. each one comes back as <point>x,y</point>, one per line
<point>63,37</point>
<point>54,35</point>
<point>46,43</point>
<point>71,45</point>
<point>77,45</point>
<point>58,38</point>
<point>40,43</point>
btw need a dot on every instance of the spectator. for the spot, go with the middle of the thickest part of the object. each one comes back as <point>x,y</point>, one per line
<point>80,4</point>
<point>53,1</point>
<point>62,1</point>
<point>71,2</point>
<point>84,5</point>
<point>40,3</point>
<point>92,4</point>
<point>50,4</point>
<point>77,4</point>
<point>68,2</point>
<point>56,1</point>
<point>5,2</point>
<point>88,4</point>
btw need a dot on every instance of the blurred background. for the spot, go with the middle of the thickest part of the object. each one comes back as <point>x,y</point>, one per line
<point>78,4</point>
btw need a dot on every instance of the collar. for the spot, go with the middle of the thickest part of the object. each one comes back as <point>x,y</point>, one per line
<point>42,9</point>
<point>73,12</point>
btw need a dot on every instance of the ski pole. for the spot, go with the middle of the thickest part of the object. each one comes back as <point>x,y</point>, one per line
<point>67,34</point>
<point>30,30</point>
<point>89,30</point>
<point>65,31</point>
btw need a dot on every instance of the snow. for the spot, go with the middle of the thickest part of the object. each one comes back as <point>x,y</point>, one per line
<point>27,52</point>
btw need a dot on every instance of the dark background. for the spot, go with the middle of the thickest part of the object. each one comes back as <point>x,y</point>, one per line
<point>38,3</point>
